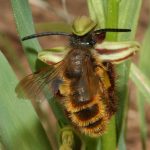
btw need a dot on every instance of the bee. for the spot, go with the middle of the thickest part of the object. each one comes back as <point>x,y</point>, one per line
<point>81,76</point>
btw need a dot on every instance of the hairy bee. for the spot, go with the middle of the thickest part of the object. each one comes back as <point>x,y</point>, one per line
<point>81,76</point>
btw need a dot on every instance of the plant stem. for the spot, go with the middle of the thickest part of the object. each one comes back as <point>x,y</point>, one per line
<point>109,139</point>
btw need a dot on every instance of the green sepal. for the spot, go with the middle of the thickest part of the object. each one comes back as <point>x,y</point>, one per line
<point>82,25</point>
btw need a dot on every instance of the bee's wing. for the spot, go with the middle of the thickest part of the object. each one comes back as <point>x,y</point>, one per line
<point>89,80</point>
<point>116,52</point>
<point>95,82</point>
<point>37,85</point>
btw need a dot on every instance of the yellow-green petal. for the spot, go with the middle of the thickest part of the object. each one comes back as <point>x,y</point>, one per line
<point>52,56</point>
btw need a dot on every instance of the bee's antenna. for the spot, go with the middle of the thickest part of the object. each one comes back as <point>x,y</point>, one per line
<point>111,30</point>
<point>44,34</point>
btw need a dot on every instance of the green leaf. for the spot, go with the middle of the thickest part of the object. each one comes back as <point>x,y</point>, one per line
<point>54,27</point>
<point>110,19</point>
<point>109,138</point>
<point>92,143</point>
<point>141,81</point>
<point>112,8</point>
<point>96,11</point>
<point>7,43</point>
<point>25,26</point>
<point>121,143</point>
<point>19,125</point>
<point>120,14</point>
<point>145,54</point>
<point>144,67</point>
<point>24,23</point>
<point>128,18</point>
<point>142,120</point>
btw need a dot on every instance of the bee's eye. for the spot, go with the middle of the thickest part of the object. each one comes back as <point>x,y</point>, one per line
<point>89,39</point>
<point>99,38</point>
<point>93,42</point>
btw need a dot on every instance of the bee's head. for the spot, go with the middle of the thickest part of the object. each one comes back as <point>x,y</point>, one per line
<point>82,28</point>
<point>82,25</point>
<point>83,34</point>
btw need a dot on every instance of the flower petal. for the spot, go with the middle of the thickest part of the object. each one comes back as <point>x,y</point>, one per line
<point>116,52</point>
<point>52,56</point>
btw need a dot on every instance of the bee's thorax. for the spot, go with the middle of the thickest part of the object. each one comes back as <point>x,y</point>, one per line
<point>75,63</point>
<point>82,42</point>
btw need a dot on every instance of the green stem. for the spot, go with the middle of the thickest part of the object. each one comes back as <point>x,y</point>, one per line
<point>109,139</point>
<point>128,18</point>
<point>92,143</point>
<point>112,19</point>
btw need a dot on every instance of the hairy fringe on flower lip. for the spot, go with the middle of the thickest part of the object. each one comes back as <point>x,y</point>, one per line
<point>77,120</point>
<point>97,130</point>
<point>71,107</point>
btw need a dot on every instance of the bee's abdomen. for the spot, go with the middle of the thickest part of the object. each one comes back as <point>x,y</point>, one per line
<point>87,113</point>
<point>90,119</point>
<point>96,128</point>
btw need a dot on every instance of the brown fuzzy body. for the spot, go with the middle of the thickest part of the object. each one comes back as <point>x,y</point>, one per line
<point>82,77</point>
<point>83,84</point>
<point>88,89</point>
